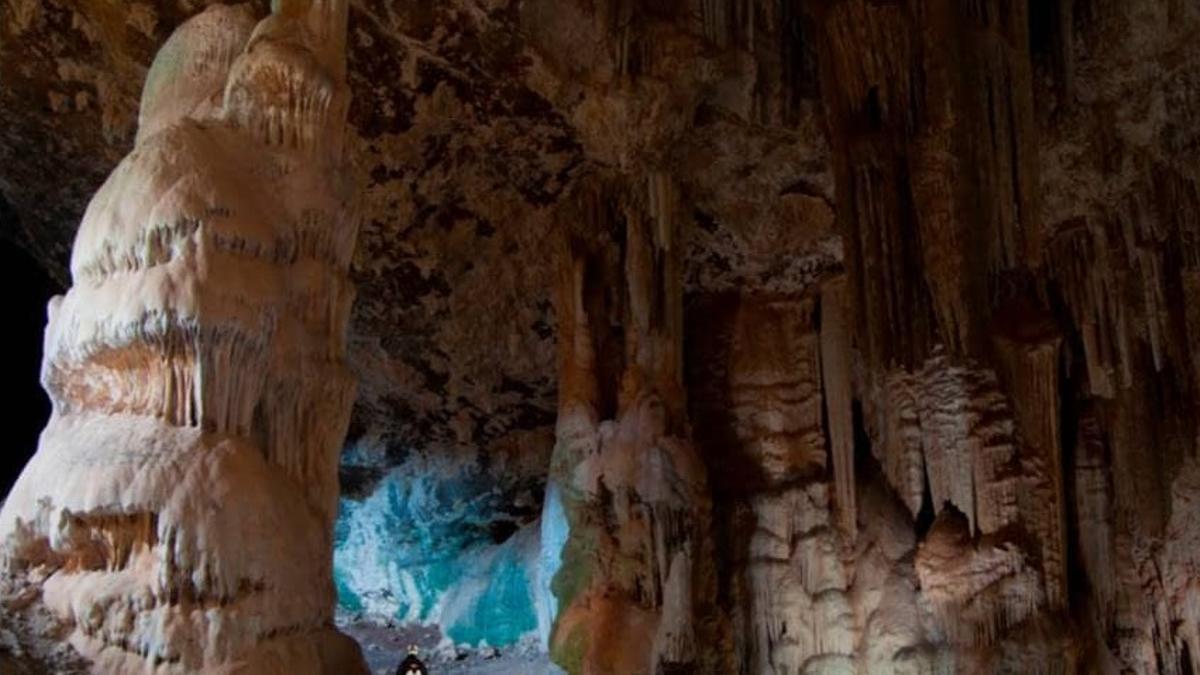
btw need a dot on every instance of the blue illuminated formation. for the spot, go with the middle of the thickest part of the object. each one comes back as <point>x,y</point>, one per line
<point>504,609</point>
<point>554,532</point>
<point>421,549</point>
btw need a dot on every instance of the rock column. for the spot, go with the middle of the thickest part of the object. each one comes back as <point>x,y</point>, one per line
<point>178,513</point>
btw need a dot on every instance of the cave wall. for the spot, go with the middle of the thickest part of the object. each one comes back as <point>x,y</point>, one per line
<point>896,295</point>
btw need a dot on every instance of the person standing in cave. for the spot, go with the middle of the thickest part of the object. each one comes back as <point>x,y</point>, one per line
<point>412,665</point>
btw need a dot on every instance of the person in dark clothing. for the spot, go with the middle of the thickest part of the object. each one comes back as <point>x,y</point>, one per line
<point>412,665</point>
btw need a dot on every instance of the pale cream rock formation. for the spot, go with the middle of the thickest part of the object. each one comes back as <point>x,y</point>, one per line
<point>793,578</point>
<point>822,580</point>
<point>181,501</point>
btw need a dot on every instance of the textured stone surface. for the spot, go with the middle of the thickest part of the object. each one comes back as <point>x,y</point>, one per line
<point>632,487</point>
<point>932,265</point>
<point>178,513</point>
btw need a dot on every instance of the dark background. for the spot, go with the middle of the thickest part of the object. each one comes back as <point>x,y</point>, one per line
<point>28,288</point>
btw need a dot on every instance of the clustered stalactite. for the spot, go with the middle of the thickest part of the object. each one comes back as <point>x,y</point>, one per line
<point>972,450</point>
<point>178,514</point>
<point>969,363</point>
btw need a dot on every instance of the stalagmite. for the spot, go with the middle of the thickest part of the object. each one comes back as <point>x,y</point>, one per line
<point>1181,563</point>
<point>181,503</point>
<point>760,422</point>
<point>633,488</point>
<point>978,589</point>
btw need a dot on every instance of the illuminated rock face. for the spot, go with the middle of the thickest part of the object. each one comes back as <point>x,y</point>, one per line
<point>421,549</point>
<point>180,506</point>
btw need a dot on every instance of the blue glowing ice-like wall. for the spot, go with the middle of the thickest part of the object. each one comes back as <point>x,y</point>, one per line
<point>428,548</point>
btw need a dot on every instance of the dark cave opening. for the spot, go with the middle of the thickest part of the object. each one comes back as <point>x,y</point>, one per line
<point>32,288</point>
<point>926,515</point>
<point>865,464</point>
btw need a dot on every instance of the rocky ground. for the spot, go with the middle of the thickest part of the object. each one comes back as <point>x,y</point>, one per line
<point>31,643</point>
<point>386,646</point>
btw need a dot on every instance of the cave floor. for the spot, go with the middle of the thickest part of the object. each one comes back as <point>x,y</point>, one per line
<point>386,646</point>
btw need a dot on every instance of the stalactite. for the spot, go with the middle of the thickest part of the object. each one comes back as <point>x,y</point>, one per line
<point>835,370</point>
<point>888,452</point>
<point>1031,361</point>
<point>968,439</point>
<point>1093,504</point>
<point>893,421</point>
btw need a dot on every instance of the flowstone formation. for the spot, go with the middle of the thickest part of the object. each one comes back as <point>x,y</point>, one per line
<point>178,514</point>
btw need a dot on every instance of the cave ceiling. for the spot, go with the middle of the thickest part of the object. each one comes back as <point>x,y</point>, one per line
<point>476,119</point>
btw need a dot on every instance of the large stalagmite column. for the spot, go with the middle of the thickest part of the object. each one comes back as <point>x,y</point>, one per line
<point>178,513</point>
<point>631,487</point>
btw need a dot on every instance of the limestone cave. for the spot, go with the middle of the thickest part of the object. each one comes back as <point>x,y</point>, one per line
<point>601,337</point>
